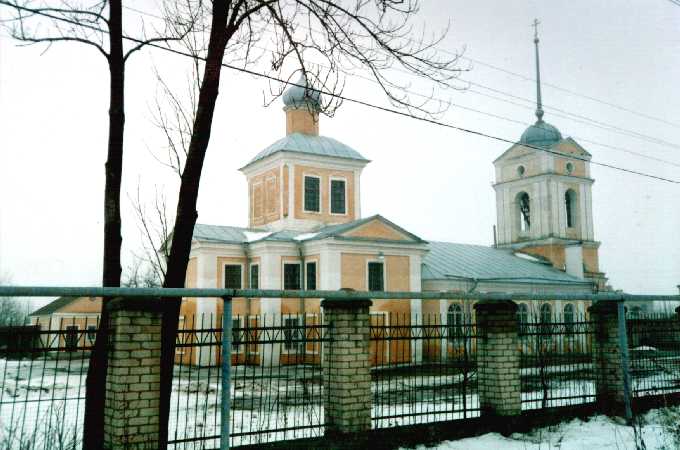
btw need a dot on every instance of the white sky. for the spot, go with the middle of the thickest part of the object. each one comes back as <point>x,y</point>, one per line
<point>433,181</point>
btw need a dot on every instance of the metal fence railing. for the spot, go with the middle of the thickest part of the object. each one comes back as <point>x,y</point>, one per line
<point>556,361</point>
<point>43,367</point>
<point>276,380</point>
<point>654,349</point>
<point>424,368</point>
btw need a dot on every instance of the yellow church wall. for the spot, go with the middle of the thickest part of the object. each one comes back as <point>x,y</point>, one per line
<point>325,175</point>
<point>555,253</point>
<point>302,121</point>
<point>532,165</point>
<point>579,167</point>
<point>377,230</point>
<point>354,275</point>
<point>84,305</point>
<point>591,259</point>
<point>286,190</point>
<point>265,197</point>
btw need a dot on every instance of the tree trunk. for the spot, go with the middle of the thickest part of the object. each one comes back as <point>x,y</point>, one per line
<point>93,429</point>
<point>186,214</point>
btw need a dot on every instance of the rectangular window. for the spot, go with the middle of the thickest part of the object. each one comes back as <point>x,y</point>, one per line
<point>338,197</point>
<point>71,338</point>
<point>255,276</point>
<point>292,333</point>
<point>232,276</point>
<point>312,194</point>
<point>311,276</point>
<point>91,333</point>
<point>376,279</point>
<point>236,333</point>
<point>291,277</point>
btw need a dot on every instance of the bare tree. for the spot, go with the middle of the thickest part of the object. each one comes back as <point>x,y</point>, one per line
<point>140,274</point>
<point>155,228</point>
<point>356,34</point>
<point>13,311</point>
<point>99,25</point>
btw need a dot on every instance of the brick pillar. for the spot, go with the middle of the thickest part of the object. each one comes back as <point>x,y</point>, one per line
<point>131,415</point>
<point>347,366</point>
<point>498,359</point>
<point>607,359</point>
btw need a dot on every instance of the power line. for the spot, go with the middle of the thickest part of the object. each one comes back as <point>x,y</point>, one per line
<point>350,99</point>
<point>570,92</point>
<point>520,122</point>
<point>564,114</point>
<point>588,120</point>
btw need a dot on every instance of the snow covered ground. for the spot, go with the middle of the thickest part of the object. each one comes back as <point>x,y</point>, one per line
<point>660,430</point>
<point>40,398</point>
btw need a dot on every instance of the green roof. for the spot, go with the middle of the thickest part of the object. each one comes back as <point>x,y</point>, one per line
<point>236,235</point>
<point>447,260</point>
<point>309,145</point>
<point>541,134</point>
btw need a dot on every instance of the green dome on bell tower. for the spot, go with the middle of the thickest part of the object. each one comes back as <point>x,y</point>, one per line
<point>540,134</point>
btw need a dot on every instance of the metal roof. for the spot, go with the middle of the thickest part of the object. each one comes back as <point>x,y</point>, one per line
<point>447,260</point>
<point>541,134</point>
<point>236,235</point>
<point>310,145</point>
<point>302,95</point>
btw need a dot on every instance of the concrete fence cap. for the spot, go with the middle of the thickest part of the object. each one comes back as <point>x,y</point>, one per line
<point>138,304</point>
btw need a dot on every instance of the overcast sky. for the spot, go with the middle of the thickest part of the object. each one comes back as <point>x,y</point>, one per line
<point>431,180</point>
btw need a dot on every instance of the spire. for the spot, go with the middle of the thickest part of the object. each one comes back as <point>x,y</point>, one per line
<point>539,106</point>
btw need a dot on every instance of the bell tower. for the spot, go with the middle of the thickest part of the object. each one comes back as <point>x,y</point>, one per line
<point>544,197</point>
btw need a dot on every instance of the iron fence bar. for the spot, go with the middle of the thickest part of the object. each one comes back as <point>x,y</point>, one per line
<point>51,291</point>
<point>623,348</point>
<point>226,373</point>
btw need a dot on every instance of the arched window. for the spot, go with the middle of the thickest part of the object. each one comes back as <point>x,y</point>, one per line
<point>455,321</point>
<point>569,317</point>
<point>635,312</point>
<point>545,316</point>
<point>546,313</point>
<point>523,318</point>
<point>570,205</point>
<point>524,211</point>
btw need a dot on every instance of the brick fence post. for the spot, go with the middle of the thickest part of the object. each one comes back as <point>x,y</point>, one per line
<point>347,366</point>
<point>498,368</point>
<point>608,361</point>
<point>132,397</point>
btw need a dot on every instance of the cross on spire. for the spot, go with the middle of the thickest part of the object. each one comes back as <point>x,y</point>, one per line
<point>535,24</point>
<point>539,105</point>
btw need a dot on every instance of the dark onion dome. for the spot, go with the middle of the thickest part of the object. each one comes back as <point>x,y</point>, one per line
<point>541,134</point>
<point>298,96</point>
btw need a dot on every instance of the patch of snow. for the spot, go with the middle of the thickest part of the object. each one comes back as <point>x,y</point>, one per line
<point>600,432</point>
<point>645,348</point>
<point>256,235</point>
<point>528,257</point>
<point>304,236</point>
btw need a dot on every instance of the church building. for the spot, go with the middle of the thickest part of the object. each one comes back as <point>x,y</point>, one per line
<point>306,232</point>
